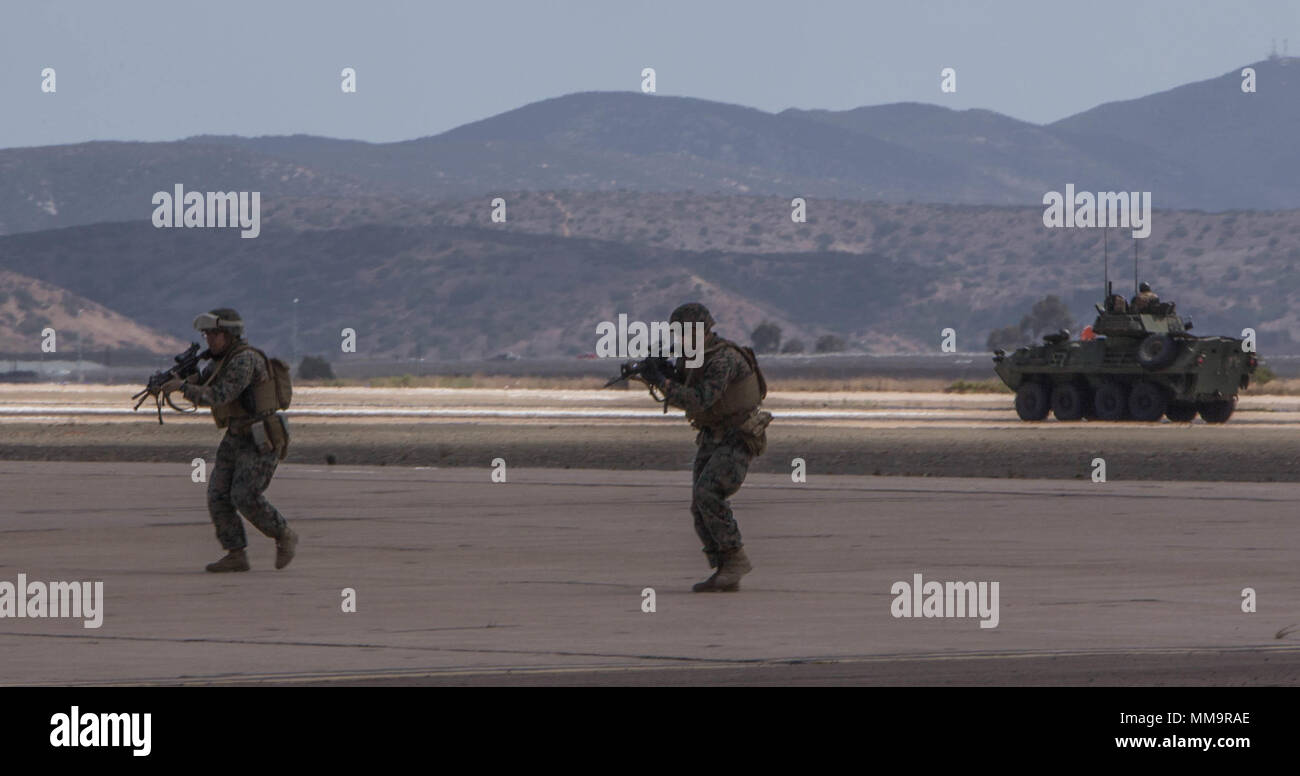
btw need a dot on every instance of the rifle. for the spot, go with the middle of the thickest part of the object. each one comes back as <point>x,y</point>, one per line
<point>187,364</point>
<point>633,370</point>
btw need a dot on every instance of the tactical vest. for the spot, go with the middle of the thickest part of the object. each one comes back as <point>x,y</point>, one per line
<point>739,399</point>
<point>261,396</point>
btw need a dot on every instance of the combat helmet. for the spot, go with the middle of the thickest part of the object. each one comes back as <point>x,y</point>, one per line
<point>692,312</point>
<point>223,318</point>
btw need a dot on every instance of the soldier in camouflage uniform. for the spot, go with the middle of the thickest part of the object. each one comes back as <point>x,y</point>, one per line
<point>1144,300</point>
<point>721,398</point>
<point>242,471</point>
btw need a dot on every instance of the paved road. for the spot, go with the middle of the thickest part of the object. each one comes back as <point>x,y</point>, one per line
<point>1098,583</point>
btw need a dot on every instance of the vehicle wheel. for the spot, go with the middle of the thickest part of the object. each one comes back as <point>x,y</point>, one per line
<point>1147,402</point>
<point>1217,411</point>
<point>1181,411</point>
<point>1111,402</point>
<point>1157,351</point>
<point>1031,401</point>
<point>1068,402</point>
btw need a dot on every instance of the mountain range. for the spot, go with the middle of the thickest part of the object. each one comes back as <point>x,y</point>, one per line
<point>920,217</point>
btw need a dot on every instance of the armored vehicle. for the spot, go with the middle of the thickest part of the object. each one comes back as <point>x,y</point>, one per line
<point>1132,365</point>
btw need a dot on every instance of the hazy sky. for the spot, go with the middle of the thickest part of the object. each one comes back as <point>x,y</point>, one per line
<point>167,70</point>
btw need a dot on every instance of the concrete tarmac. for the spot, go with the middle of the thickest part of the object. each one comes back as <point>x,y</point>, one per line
<point>542,579</point>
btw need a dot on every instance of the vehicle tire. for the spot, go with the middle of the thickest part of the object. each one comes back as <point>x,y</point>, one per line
<point>1181,411</point>
<point>1111,402</point>
<point>1217,411</point>
<point>1068,401</point>
<point>1147,402</point>
<point>1157,351</point>
<point>1032,401</point>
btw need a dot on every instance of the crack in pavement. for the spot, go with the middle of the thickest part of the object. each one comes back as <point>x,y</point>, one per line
<point>703,663</point>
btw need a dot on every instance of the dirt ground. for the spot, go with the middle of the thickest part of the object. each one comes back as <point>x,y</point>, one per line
<point>934,435</point>
<point>1169,452</point>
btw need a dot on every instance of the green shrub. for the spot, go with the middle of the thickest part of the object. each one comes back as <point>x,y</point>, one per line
<point>829,343</point>
<point>766,337</point>
<point>977,386</point>
<point>315,368</point>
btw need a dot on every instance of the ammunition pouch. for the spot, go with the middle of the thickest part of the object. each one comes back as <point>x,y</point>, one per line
<point>754,431</point>
<point>260,440</point>
<point>271,434</point>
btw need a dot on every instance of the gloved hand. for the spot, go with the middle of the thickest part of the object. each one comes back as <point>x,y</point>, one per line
<point>173,384</point>
<point>652,373</point>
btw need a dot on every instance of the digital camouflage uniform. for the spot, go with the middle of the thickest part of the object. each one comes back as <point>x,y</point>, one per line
<point>725,450</point>
<point>241,472</point>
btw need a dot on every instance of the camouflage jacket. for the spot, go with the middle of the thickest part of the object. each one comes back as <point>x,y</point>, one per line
<point>719,370</point>
<point>245,369</point>
<point>1143,301</point>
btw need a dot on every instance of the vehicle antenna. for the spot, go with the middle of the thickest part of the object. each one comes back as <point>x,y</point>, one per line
<point>1105,245</point>
<point>1135,266</point>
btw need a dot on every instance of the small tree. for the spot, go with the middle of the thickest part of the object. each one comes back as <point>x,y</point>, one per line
<point>1047,315</point>
<point>766,337</point>
<point>1005,338</point>
<point>829,343</point>
<point>315,368</point>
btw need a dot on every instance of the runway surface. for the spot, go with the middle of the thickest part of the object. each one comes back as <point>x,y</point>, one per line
<point>540,580</point>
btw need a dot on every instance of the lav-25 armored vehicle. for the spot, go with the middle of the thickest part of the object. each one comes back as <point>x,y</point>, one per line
<point>1138,365</point>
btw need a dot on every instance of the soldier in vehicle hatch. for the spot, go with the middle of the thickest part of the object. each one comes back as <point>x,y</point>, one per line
<point>1144,299</point>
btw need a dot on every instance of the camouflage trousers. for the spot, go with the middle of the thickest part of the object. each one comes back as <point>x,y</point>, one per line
<point>720,468</point>
<point>238,479</point>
